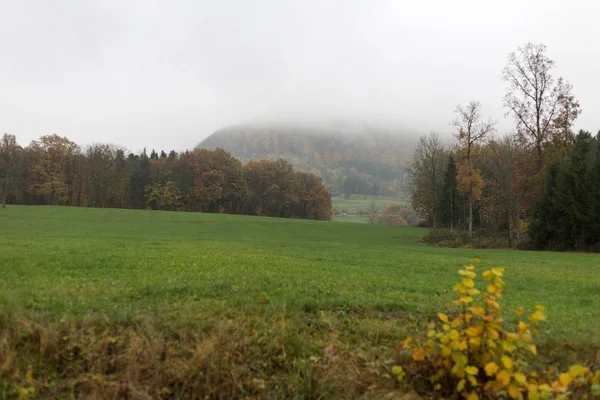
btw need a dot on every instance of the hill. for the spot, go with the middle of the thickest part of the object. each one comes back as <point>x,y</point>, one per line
<point>351,157</point>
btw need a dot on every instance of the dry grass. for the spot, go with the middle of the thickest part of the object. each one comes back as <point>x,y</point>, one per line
<point>264,357</point>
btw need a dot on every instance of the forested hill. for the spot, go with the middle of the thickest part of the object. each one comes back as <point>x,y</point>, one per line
<point>350,157</point>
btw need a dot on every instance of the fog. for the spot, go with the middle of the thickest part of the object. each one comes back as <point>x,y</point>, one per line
<point>166,74</point>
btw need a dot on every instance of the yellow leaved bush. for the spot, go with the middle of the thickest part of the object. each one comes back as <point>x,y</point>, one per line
<point>475,355</point>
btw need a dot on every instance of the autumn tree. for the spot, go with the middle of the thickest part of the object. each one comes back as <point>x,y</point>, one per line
<point>163,196</point>
<point>499,203</point>
<point>425,177</point>
<point>539,102</point>
<point>314,200</point>
<point>11,156</point>
<point>52,157</point>
<point>472,131</point>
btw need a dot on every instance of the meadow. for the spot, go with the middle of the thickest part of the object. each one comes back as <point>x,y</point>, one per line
<point>244,307</point>
<point>362,203</point>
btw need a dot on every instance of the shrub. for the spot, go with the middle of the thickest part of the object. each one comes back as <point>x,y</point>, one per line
<point>396,214</point>
<point>475,355</point>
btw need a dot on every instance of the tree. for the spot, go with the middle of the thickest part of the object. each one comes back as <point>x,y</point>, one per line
<point>10,165</point>
<point>499,203</point>
<point>472,130</point>
<point>565,216</point>
<point>534,97</point>
<point>425,177</point>
<point>52,157</point>
<point>451,204</point>
<point>163,196</point>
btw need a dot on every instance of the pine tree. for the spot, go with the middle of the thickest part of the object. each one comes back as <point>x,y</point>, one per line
<point>451,203</point>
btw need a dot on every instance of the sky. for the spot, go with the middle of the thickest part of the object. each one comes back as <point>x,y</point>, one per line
<point>166,74</point>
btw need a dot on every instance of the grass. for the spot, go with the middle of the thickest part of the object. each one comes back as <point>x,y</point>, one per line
<point>263,300</point>
<point>358,202</point>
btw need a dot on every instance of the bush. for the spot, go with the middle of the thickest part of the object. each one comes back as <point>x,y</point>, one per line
<point>395,214</point>
<point>482,239</point>
<point>390,219</point>
<point>475,355</point>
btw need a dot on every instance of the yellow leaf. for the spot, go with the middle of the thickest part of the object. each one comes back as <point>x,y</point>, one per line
<point>473,331</point>
<point>418,354</point>
<point>460,386</point>
<point>453,334</point>
<point>401,376</point>
<point>507,361</point>
<point>577,370</point>
<point>520,378</point>
<point>431,333</point>
<point>565,379</point>
<point>469,268</point>
<point>406,342</point>
<point>545,388</point>
<point>476,260</point>
<point>443,317</point>
<point>533,394</point>
<point>396,370</point>
<point>446,351</point>
<point>508,346</point>
<point>503,376</point>
<point>465,299</point>
<point>468,282</point>
<point>477,310</point>
<point>472,380</point>
<point>491,368</point>
<point>446,327</point>
<point>472,396</point>
<point>537,316</point>
<point>471,370</point>
<point>487,275</point>
<point>473,292</point>
<point>492,288</point>
<point>513,391</point>
<point>460,288</point>
<point>539,307</point>
<point>498,271</point>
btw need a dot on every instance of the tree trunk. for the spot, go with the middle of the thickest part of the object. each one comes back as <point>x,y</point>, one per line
<point>451,211</point>
<point>471,216</point>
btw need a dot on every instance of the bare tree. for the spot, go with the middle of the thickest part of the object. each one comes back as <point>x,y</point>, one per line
<point>425,177</point>
<point>533,95</point>
<point>472,130</point>
<point>10,153</point>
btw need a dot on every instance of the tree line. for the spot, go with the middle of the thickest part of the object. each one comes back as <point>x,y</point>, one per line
<point>56,171</point>
<point>536,183</point>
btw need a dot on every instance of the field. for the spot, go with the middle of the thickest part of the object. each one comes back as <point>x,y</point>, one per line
<point>256,307</point>
<point>364,203</point>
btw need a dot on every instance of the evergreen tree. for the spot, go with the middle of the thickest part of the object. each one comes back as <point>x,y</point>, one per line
<point>566,214</point>
<point>451,202</point>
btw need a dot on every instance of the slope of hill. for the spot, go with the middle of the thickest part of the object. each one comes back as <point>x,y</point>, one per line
<point>352,158</point>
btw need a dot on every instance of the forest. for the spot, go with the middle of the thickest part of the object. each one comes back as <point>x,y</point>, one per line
<point>537,188</point>
<point>56,171</point>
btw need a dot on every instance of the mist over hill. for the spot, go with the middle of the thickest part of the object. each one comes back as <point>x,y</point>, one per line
<point>351,157</point>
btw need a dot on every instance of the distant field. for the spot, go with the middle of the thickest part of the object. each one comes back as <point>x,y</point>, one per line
<point>356,203</point>
<point>283,289</point>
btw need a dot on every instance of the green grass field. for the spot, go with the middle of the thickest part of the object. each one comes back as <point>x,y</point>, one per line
<point>361,286</point>
<point>358,202</point>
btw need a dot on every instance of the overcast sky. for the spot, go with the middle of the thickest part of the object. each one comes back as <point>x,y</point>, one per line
<point>166,74</point>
